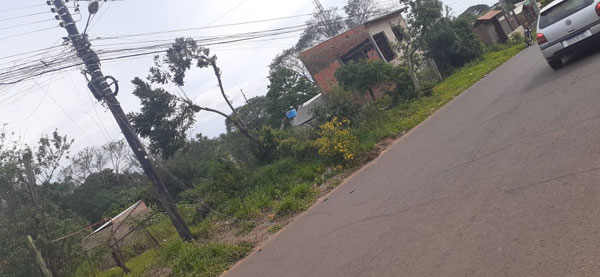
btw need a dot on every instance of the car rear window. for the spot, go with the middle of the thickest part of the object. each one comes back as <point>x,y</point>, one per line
<point>562,10</point>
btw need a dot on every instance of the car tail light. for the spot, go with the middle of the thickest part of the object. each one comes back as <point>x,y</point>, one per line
<point>598,9</point>
<point>541,39</point>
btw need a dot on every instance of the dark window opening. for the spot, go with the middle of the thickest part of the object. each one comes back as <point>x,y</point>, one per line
<point>384,46</point>
<point>359,52</point>
<point>398,33</point>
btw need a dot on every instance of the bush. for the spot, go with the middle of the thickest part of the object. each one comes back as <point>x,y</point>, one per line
<point>303,192</point>
<point>452,44</point>
<point>290,205</point>
<point>495,47</point>
<point>427,88</point>
<point>363,76</point>
<point>289,143</point>
<point>340,103</point>
<point>337,144</point>
<point>404,88</point>
<point>516,38</point>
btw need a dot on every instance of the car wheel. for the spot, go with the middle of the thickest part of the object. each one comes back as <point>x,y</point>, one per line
<point>555,64</point>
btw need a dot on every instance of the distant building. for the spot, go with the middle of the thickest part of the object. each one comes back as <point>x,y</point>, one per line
<point>305,112</point>
<point>492,27</point>
<point>495,27</point>
<point>373,40</point>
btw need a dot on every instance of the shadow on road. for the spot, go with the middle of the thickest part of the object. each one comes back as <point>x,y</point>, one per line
<point>583,53</point>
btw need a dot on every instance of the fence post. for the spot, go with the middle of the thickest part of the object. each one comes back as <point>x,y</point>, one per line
<point>38,257</point>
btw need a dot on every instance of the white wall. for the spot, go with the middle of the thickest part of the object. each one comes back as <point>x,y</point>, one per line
<point>386,27</point>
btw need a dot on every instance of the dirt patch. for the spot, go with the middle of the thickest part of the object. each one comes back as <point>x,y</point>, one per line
<point>379,148</point>
<point>227,232</point>
<point>159,272</point>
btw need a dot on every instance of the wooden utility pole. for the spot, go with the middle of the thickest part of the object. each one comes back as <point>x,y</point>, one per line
<point>435,68</point>
<point>38,257</point>
<point>508,13</point>
<point>30,178</point>
<point>102,92</point>
<point>329,29</point>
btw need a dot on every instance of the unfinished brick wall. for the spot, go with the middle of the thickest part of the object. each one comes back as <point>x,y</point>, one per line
<point>323,60</point>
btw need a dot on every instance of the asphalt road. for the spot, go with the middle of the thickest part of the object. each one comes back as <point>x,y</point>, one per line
<point>503,181</point>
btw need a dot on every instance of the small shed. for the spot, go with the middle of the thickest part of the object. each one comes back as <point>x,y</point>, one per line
<point>118,227</point>
<point>305,112</point>
<point>489,28</point>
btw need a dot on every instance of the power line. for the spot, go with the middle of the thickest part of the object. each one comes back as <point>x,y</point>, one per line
<point>198,28</point>
<point>21,8</point>
<point>144,50</point>
<point>27,33</point>
<point>30,52</point>
<point>227,12</point>
<point>23,16</point>
<point>26,24</point>
<point>32,69</point>
<point>102,14</point>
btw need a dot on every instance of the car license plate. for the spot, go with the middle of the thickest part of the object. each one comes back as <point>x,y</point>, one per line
<point>577,38</point>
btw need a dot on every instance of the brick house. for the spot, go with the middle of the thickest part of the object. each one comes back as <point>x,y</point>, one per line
<point>373,40</point>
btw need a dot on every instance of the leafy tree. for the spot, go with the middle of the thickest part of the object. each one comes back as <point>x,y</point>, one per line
<point>403,86</point>
<point>340,103</point>
<point>120,158</point>
<point>452,44</point>
<point>114,155</point>
<point>322,26</point>
<point>228,176</point>
<point>86,162</point>
<point>287,89</point>
<point>44,220</point>
<point>192,166</point>
<point>44,224</point>
<point>163,119</point>
<point>421,17</point>
<point>289,60</point>
<point>363,76</point>
<point>172,68</point>
<point>103,193</point>
<point>474,11</point>
<point>49,154</point>
<point>360,11</point>
<point>253,114</point>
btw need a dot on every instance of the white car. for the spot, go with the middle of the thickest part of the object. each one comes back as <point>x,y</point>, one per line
<point>566,25</point>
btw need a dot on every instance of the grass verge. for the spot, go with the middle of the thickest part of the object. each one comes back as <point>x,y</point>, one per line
<point>409,114</point>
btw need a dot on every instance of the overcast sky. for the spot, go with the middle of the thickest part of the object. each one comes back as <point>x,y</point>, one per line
<point>62,101</point>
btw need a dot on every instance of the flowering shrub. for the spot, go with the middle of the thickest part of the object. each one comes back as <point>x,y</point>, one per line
<point>336,143</point>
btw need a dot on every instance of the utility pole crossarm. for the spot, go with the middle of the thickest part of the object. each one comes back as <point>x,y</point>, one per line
<point>102,91</point>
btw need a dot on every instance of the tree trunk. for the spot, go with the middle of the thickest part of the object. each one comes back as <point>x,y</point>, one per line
<point>235,120</point>
<point>117,258</point>
<point>372,94</point>
<point>412,73</point>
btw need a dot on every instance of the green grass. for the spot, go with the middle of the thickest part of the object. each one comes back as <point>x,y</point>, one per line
<point>137,265</point>
<point>275,187</point>
<point>409,114</point>
<point>275,228</point>
<point>184,259</point>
